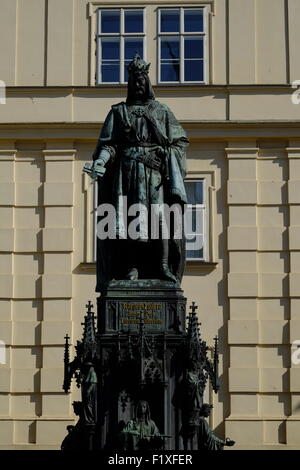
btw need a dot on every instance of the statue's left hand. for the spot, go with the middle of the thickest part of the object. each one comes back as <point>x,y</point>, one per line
<point>161,151</point>
<point>229,442</point>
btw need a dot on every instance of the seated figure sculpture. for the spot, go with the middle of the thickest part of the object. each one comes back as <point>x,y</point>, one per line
<point>207,440</point>
<point>140,161</point>
<point>74,440</point>
<point>141,433</point>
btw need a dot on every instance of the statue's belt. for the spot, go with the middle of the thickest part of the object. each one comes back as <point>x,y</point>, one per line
<point>148,158</point>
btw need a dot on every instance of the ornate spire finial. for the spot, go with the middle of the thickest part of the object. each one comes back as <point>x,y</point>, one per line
<point>89,341</point>
<point>193,308</point>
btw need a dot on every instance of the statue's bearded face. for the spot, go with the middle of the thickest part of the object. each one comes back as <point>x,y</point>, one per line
<point>139,83</point>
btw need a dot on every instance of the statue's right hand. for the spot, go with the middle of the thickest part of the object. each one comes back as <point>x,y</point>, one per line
<point>95,169</point>
<point>88,168</point>
<point>98,167</point>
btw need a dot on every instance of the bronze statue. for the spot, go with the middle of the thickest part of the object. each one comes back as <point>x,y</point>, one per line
<point>141,433</point>
<point>207,440</point>
<point>198,368</point>
<point>74,440</point>
<point>89,394</point>
<point>140,160</point>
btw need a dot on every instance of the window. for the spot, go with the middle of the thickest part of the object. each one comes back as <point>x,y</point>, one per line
<point>182,45</point>
<point>195,220</point>
<point>120,35</point>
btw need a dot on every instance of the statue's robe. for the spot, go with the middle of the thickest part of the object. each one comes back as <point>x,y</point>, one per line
<point>207,440</point>
<point>139,435</point>
<point>89,397</point>
<point>131,134</point>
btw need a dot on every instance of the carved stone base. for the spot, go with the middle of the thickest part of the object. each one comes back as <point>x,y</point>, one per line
<point>126,305</point>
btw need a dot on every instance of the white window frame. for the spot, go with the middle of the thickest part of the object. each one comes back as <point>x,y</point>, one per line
<point>121,35</point>
<point>181,34</point>
<point>202,207</point>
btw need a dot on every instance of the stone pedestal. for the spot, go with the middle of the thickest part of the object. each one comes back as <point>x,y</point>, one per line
<point>141,331</point>
<point>158,305</point>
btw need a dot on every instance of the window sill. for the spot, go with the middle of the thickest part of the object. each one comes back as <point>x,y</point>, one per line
<point>200,265</point>
<point>154,85</point>
<point>178,84</point>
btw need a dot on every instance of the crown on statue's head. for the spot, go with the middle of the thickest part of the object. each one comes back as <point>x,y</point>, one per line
<point>138,66</point>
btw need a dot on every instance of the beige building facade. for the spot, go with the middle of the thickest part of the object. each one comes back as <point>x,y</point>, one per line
<point>243,120</point>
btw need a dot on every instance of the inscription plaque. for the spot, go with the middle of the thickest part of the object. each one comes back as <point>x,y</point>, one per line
<point>151,314</point>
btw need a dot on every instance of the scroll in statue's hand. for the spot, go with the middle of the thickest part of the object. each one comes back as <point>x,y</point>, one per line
<point>95,169</point>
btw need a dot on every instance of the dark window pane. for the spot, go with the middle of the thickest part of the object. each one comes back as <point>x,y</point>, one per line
<point>169,48</point>
<point>110,49</point>
<point>110,21</point>
<point>126,63</point>
<point>169,71</point>
<point>193,220</point>
<point>193,71</point>
<point>110,71</point>
<point>134,21</point>
<point>194,246</point>
<point>133,45</point>
<point>193,21</point>
<point>193,48</point>
<point>194,254</point>
<point>169,21</point>
<point>194,191</point>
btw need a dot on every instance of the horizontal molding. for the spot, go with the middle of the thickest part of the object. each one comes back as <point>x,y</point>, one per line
<point>157,87</point>
<point>200,265</point>
<point>35,417</point>
<point>263,417</point>
<point>87,132</point>
<point>201,123</point>
<point>57,154</point>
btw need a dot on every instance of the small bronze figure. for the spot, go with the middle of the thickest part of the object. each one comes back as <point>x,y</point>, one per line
<point>89,394</point>
<point>141,433</point>
<point>74,440</point>
<point>207,440</point>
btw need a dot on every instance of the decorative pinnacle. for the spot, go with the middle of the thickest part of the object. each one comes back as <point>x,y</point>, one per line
<point>193,308</point>
<point>89,306</point>
<point>216,341</point>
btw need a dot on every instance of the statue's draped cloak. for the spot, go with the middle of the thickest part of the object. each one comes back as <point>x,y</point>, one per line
<point>207,439</point>
<point>89,397</point>
<point>129,131</point>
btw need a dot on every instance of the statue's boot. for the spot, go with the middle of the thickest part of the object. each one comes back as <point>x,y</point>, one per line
<point>165,272</point>
<point>132,274</point>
